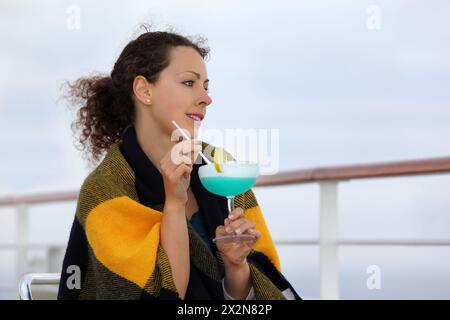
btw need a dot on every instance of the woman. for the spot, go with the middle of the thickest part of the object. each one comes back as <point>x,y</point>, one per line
<point>144,223</point>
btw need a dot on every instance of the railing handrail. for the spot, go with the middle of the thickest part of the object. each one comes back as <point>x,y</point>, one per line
<point>45,197</point>
<point>358,171</point>
<point>344,172</point>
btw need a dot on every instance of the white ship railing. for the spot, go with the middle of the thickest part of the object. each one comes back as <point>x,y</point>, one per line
<point>328,179</point>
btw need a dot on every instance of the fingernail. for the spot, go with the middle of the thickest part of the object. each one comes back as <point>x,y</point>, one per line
<point>251,230</point>
<point>238,231</point>
<point>231,216</point>
<point>228,229</point>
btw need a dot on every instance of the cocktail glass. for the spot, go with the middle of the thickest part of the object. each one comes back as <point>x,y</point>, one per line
<point>236,177</point>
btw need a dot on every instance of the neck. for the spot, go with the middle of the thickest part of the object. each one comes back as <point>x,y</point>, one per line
<point>154,142</point>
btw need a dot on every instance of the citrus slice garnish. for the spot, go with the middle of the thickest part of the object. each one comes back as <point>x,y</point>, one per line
<point>218,159</point>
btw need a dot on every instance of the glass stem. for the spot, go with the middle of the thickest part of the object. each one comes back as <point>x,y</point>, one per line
<point>230,201</point>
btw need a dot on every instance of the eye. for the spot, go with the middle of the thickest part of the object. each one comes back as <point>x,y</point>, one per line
<point>190,83</point>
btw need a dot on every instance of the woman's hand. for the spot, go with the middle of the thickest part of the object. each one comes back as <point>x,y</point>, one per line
<point>234,252</point>
<point>176,167</point>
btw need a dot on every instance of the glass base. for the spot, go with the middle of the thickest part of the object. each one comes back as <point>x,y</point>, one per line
<point>234,237</point>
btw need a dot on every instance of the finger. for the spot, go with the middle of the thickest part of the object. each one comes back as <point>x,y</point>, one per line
<point>168,167</point>
<point>240,224</point>
<point>236,214</point>
<point>232,225</point>
<point>178,159</point>
<point>254,232</point>
<point>184,148</point>
<point>188,150</point>
<point>245,226</point>
<point>186,160</point>
<point>250,242</point>
<point>236,223</point>
<point>229,229</point>
<point>188,146</point>
<point>227,226</point>
<point>179,171</point>
<point>220,231</point>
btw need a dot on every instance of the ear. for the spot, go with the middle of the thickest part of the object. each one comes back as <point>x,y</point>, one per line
<point>142,90</point>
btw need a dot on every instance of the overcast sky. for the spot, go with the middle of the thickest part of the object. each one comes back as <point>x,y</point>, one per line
<point>338,91</point>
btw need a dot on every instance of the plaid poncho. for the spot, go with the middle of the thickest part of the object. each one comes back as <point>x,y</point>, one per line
<point>114,240</point>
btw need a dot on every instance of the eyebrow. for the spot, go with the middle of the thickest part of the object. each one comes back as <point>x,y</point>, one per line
<point>196,74</point>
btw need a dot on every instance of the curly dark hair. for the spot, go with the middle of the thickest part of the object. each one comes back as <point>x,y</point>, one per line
<point>104,103</point>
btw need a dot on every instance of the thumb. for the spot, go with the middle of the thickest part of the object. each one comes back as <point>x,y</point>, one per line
<point>220,231</point>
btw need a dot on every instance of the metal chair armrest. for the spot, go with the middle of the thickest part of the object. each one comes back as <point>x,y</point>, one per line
<point>30,279</point>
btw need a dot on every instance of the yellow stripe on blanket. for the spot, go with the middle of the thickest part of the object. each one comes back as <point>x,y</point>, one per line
<point>265,243</point>
<point>124,236</point>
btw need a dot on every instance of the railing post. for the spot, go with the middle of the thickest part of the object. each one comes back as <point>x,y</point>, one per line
<point>21,241</point>
<point>329,263</point>
<point>54,260</point>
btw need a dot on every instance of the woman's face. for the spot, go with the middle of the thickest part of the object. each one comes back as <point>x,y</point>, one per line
<point>181,92</point>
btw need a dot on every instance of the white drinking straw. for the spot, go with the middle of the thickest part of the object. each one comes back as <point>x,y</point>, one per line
<point>187,138</point>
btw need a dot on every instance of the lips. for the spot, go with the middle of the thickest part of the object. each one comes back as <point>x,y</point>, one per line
<point>195,116</point>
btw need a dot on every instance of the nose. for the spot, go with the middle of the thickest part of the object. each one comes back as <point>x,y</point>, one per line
<point>205,98</point>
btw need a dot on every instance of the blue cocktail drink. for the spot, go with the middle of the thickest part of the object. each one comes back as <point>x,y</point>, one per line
<point>227,186</point>
<point>236,177</point>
